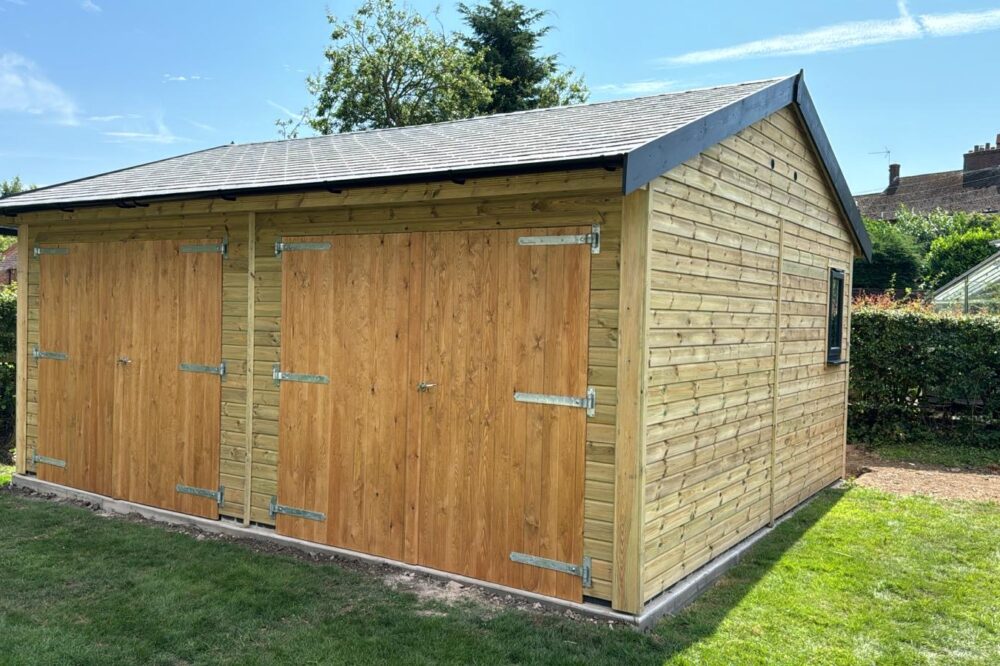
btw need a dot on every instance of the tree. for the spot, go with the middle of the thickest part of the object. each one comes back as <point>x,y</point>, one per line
<point>952,255</point>
<point>507,36</point>
<point>895,262</point>
<point>13,186</point>
<point>386,67</point>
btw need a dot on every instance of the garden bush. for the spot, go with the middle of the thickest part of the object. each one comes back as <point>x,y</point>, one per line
<point>895,262</point>
<point>8,345</point>
<point>952,255</point>
<point>912,368</point>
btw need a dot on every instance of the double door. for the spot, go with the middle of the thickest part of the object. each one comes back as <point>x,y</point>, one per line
<point>406,425</point>
<point>128,403</point>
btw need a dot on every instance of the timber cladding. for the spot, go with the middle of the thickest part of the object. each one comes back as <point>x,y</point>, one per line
<point>744,418</point>
<point>358,325</point>
<point>249,429</point>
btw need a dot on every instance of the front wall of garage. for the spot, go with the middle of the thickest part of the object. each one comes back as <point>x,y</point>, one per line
<point>251,303</point>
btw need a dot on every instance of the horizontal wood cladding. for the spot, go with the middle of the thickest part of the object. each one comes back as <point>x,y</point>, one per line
<point>744,418</point>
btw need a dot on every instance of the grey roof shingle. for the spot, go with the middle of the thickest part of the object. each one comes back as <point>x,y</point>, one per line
<point>953,191</point>
<point>527,138</point>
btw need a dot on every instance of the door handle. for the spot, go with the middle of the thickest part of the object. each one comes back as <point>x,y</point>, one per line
<point>424,387</point>
<point>124,360</point>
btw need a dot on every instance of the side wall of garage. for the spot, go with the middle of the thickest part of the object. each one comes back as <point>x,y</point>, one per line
<point>251,335</point>
<point>744,417</point>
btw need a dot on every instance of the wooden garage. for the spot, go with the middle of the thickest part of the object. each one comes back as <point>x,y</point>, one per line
<point>580,352</point>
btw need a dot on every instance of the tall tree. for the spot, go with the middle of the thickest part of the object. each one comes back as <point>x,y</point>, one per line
<point>507,35</point>
<point>386,67</point>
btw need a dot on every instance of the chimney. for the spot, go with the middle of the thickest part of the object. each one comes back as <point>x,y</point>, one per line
<point>893,174</point>
<point>982,157</point>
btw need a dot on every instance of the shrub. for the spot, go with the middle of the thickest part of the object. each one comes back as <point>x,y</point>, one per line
<point>911,367</point>
<point>952,255</point>
<point>895,260</point>
<point>924,228</point>
<point>8,345</point>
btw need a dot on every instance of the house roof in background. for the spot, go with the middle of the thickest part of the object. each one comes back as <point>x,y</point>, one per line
<point>953,191</point>
<point>648,136</point>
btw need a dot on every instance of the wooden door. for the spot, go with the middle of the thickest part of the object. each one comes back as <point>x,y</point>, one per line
<point>343,443</point>
<point>75,393</point>
<point>498,476</point>
<point>168,306</point>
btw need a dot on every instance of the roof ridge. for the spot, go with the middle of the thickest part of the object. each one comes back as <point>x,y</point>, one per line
<point>547,109</point>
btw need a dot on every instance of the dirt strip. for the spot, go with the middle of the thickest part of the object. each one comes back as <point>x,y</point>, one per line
<point>913,479</point>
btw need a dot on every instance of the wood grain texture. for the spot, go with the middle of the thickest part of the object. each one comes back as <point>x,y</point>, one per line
<point>534,201</point>
<point>167,311</point>
<point>630,434</point>
<point>76,396</point>
<point>745,419</point>
<point>21,370</point>
<point>343,444</point>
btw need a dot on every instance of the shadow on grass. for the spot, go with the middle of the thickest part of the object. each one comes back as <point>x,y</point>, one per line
<point>702,618</point>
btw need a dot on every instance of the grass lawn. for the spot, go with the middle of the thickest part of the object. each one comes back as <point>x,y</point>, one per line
<point>6,471</point>
<point>856,577</point>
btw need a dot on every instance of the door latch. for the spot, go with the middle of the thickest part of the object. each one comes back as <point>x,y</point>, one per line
<point>424,387</point>
<point>124,360</point>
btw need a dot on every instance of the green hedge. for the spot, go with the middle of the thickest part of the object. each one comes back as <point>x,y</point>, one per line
<point>8,346</point>
<point>913,367</point>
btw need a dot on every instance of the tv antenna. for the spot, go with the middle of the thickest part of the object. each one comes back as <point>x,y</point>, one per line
<point>885,153</point>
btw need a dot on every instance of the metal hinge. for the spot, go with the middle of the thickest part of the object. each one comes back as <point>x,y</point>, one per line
<point>37,354</point>
<point>281,246</point>
<point>45,460</point>
<point>219,370</point>
<point>588,402</point>
<point>39,251</point>
<point>274,509</point>
<point>593,239</point>
<point>220,248</point>
<point>217,495</point>
<point>280,376</point>
<point>581,570</point>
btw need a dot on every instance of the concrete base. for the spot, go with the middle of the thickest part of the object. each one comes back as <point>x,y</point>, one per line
<point>669,602</point>
<point>672,600</point>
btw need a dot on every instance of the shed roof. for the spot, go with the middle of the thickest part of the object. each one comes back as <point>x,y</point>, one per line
<point>647,136</point>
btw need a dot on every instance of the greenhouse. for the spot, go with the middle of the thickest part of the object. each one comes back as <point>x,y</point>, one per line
<point>973,292</point>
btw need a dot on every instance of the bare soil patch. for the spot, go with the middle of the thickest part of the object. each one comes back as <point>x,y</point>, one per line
<point>905,478</point>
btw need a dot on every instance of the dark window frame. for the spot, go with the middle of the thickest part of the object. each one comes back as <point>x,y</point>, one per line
<point>835,318</point>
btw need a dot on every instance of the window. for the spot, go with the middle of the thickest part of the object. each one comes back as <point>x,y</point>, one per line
<point>835,317</point>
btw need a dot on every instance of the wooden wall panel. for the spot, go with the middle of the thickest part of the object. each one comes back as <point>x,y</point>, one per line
<point>744,417</point>
<point>249,439</point>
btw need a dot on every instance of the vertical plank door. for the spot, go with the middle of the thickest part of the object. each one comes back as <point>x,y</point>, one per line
<point>75,394</point>
<point>498,476</point>
<point>167,426</point>
<point>342,451</point>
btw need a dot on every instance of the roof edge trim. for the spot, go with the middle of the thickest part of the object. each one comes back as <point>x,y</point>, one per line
<point>659,156</point>
<point>605,162</point>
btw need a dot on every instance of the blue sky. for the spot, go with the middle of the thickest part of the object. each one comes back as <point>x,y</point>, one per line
<point>92,85</point>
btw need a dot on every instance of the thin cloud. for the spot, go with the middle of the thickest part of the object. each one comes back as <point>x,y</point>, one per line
<point>158,134</point>
<point>20,3</point>
<point>647,87</point>
<point>24,89</point>
<point>89,6</point>
<point>201,126</point>
<point>285,110</point>
<point>960,23</point>
<point>179,78</point>
<point>113,117</point>
<point>848,35</point>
